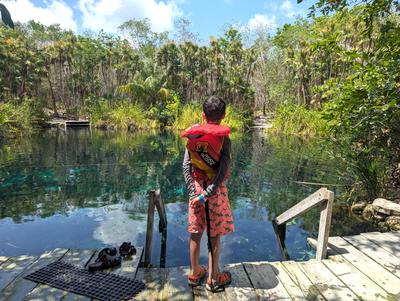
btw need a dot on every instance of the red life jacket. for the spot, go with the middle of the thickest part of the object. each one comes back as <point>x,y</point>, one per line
<point>204,146</point>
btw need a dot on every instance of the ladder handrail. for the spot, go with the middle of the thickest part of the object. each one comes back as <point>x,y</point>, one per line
<point>322,197</point>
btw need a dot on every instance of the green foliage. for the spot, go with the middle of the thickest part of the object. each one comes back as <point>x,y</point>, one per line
<point>235,119</point>
<point>296,119</point>
<point>16,118</point>
<point>167,109</point>
<point>120,115</point>
<point>190,114</point>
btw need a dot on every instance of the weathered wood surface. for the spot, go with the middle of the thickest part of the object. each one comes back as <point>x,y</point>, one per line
<point>375,252</point>
<point>360,267</point>
<point>241,287</point>
<point>324,225</point>
<point>45,292</point>
<point>150,228</point>
<point>292,288</point>
<point>13,267</point>
<point>385,279</point>
<point>129,266</point>
<point>359,283</point>
<point>19,287</point>
<point>390,241</point>
<point>326,282</point>
<point>265,282</point>
<point>301,280</point>
<point>165,284</point>
<point>159,203</point>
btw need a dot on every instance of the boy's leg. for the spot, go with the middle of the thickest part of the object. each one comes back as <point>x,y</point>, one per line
<point>213,263</point>
<point>195,239</point>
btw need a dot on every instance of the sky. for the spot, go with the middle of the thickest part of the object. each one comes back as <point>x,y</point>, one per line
<point>207,17</point>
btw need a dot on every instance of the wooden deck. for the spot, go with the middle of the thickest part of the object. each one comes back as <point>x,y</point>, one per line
<point>65,123</point>
<point>360,267</point>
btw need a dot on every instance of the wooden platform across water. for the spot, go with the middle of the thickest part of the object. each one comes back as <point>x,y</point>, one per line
<point>64,123</point>
<point>359,267</point>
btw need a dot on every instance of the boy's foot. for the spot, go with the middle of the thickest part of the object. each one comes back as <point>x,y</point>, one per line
<point>218,285</point>
<point>195,280</point>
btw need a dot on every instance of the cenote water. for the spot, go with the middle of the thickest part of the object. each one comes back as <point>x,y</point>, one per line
<point>87,189</point>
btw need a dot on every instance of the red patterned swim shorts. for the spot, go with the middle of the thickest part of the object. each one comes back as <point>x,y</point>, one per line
<point>221,220</point>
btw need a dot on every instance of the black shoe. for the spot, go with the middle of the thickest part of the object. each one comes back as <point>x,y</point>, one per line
<point>107,258</point>
<point>126,249</point>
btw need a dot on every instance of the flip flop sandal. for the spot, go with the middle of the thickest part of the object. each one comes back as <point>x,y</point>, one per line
<point>105,260</point>
<point>223,279</point>
<point>194,280</point>
<point>126,249</point>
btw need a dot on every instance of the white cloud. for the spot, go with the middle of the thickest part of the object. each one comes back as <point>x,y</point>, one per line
<point>53,12</point>
<point>286,6</point>
<point>108,15</point>
<point>290,10</point>
<point>262,21</point>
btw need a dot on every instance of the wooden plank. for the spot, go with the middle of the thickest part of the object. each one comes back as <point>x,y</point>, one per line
<point>240,288</point>
<point>386,280</point>
<point>263,278</point>
<point>19,287</point>
<point>375,252</point>
<point>361,285</point>
<point>312,242</point>
<point>159,203</point>
<point>159,287</point>
<point>326,282</point>
<point>129,266</point>
<point>178,284</point>
<point>301,207</point>
<point>300,279</point>
<point>292,288</point>
<point>200,293</point>
<point>45,292</point>
<point>387,241</point>
<point>324,226</point>
<point>13,267</point>
<point>149,230</point>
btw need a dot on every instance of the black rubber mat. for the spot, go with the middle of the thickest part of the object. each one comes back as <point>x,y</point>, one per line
<point>98,285</point>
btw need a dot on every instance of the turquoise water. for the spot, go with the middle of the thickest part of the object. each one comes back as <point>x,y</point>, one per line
<point>88,189</point>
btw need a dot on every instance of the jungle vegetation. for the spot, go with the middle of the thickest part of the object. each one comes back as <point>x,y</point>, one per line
<point>334,74</point>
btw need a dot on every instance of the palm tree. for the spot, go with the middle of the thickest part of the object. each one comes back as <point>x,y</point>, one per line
<point>6,16</point>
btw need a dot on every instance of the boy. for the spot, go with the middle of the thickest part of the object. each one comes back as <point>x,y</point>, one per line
<point>206,167</point>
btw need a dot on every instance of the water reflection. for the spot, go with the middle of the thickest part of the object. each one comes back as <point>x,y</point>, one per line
<point>85,189</point>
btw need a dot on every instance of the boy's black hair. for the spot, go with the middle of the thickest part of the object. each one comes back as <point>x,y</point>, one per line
<point>214,108</point>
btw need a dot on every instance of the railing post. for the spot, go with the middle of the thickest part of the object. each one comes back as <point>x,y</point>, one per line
<point>161,211</point>
<point>149,231</point>
<point>155,201</point>
<point>324,226</point>
<point>324,198</point>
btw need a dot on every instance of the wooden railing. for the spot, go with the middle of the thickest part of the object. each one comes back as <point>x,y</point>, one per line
<point>155,201</point>
<point>324,198</point>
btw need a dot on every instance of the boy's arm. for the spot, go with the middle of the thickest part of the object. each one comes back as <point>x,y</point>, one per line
<point>187,174</point>
<point>224,163</point>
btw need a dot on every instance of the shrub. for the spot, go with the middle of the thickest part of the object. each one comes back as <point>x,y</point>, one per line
<point>297,119</point>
